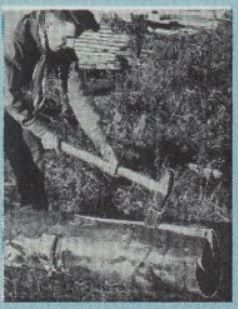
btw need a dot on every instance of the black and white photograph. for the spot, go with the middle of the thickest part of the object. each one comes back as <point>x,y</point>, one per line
<point>117,154</point>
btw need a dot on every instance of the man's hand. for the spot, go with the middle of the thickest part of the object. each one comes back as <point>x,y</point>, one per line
<point>109,155</point>
<point>50,141</point>
<point>20,106</point>
<point>23,107</point>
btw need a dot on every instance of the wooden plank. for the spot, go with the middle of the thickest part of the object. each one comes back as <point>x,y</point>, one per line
<point>99,48</point>
<point>106,44</point>
<point>100,44</point>
<point>89,61</point>
<point>99,67</point>
<point>112,35</point>
<point>102,48</point>
<point>106,40</point>
<point>103,52</point>
<point>97,61</point>
<point>98,56</point>
<point>91,42</point>
<point>105,49</point>
<point>101,60</point>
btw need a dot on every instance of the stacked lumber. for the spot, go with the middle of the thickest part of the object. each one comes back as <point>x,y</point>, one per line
<point>100,50</point>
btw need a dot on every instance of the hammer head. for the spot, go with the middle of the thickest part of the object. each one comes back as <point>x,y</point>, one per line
<point>165,187</point>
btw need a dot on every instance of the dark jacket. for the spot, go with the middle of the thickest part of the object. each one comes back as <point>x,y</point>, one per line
<point>28,52</point>
<point>29,57</point>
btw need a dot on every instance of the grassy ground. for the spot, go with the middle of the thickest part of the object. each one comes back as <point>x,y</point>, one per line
<point>27,284</point>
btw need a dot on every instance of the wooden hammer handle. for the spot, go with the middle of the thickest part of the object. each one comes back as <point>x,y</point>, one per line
<point>133,176</point>
<point>106,167</point>
<point>39,130</point>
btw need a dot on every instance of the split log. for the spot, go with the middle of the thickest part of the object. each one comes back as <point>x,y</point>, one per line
<point>182,258</point>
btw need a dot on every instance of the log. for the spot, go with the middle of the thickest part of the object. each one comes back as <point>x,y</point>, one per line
<point>182,258</point>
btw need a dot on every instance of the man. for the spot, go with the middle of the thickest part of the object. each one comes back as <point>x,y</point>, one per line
<point>38,49</point>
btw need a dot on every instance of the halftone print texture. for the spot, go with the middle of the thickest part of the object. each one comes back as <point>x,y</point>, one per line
<point>117,143</point>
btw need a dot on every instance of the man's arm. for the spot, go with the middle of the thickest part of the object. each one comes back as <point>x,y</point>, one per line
<point>85,113</point>
<point>14,66</point>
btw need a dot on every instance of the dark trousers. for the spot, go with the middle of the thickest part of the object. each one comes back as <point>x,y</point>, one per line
<point>29,178</point>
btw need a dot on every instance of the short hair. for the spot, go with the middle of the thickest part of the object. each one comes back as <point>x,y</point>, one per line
<point>82,19</point>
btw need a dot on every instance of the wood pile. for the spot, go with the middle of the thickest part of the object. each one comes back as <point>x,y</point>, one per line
<point>101,50</point>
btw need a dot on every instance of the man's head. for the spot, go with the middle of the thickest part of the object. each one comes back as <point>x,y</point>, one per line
<point>83,20</point>
<point>60,24</point>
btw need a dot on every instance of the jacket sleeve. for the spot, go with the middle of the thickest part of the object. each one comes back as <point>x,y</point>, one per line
<point>14,62</point>
<point>83,109</point>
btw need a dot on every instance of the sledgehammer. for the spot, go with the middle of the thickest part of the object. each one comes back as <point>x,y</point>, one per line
<point>161,188</point>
